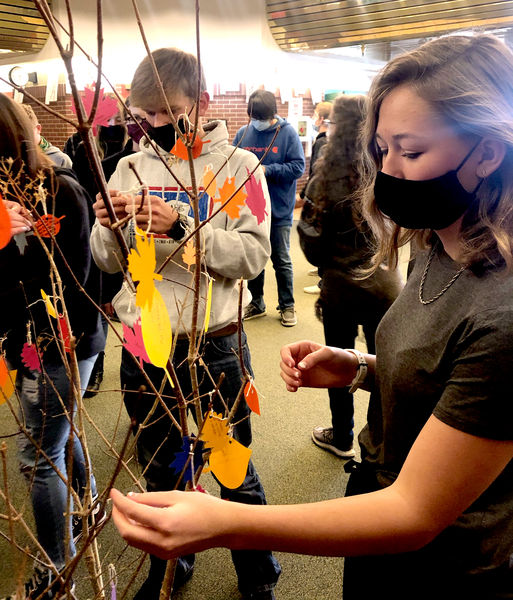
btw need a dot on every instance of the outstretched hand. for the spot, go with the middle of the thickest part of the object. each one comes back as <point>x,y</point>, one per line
<point>169,524</point>
<point>309,364</point>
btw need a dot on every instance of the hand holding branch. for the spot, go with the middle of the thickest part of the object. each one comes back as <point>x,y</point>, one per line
<point>20,217</point>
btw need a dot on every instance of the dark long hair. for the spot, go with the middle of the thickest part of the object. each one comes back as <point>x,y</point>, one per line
<point>17,144</point>
<point>335,174</point>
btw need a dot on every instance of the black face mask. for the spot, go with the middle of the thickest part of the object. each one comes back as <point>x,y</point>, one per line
<point>427,204</point>
<point>113,133</point>
<point>165,135</point>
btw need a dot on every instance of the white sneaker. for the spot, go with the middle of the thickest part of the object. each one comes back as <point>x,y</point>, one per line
<point>288,317</point>
<point>312,289</point>
<point>314,272</point>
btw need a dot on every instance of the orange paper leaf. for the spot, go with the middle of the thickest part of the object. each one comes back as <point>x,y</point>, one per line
<point>232,209</point>
<point>48,225</point>
<point>209,182</point>
<point>5,225</point>
<point>251,396</point>
<point>189,254</point>
<point>7,379</point>
<point>180,150</point>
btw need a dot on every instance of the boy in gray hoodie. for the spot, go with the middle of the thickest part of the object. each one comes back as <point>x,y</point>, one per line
<point>234,246</point>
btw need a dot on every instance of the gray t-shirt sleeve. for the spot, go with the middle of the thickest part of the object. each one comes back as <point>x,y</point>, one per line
<point>478,396</point>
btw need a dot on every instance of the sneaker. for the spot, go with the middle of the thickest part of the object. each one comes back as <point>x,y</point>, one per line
<point>312,289</point>
<point>94,519</point>
<point>313,272</point>
<point>94,384</point>
<point>323,437</point>
<point>252,312</point>
<point>288,316</point>
<point>42,578</point>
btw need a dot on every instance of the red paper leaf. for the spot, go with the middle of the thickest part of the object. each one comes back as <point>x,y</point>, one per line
<point>5,225</point>
<point>30,357</point>
<point>256,198</point>
<point>134,342</point>
<point>65,333</point>
<point>251,396</point>
<point>107,108</point>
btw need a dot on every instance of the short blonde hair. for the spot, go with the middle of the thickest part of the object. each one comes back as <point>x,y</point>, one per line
<point>323,109</point>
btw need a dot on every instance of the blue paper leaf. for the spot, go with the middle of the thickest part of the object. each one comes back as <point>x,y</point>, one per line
<point>181,458</point>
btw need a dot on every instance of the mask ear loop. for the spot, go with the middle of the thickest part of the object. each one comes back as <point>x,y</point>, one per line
<point>467,156</point>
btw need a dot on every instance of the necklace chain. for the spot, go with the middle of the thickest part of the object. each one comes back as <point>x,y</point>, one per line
<point>423,279</point>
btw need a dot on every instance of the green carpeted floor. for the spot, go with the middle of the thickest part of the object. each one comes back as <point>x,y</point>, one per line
<point>292,469</point>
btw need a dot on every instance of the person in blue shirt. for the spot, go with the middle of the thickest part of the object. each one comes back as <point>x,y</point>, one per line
<point>283,164</point>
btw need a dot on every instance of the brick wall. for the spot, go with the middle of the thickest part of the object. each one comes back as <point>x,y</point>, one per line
<point>230,106</point>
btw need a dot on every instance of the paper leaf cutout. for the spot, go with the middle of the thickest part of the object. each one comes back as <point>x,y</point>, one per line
<point>256,198</point>
<point>209,304</point>
<point>107,108</point>
<point>48,225</point>
<point>181,458</point>
<point>189,254</point>
<point>5,225</point>
<point>30,357</point>
<point>141,264</point>
<point>251,396</point>
<point>180,150</point>
<point>21,242</point>
<point>7,379</point>
<point>232,209</point>
<point>65,333</point>
<point>49,306</point>
<point>134,342</point>
<point>209,182</point>
<point>156,331</point>
<point>228,458</point>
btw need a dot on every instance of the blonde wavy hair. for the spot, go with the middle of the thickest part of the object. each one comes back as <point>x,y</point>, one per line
<point>468,80</point>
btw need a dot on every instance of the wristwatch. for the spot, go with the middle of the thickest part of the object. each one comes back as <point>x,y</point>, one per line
<point>178,230</point>
<point>361,374</point>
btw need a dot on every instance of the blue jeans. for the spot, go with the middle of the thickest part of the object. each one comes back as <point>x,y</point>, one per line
<point>159,441</point>
<point>282,264</point>
<point>43,415</point>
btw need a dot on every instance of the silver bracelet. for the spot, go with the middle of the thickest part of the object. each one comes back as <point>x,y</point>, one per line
<point>361,374</point>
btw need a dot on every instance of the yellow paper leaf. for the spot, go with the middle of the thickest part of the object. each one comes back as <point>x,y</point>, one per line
<point>234,205</point>
<point>49,306</point>
<point>209,304</point>
<point>156,331</point>
<point>189,254</point>
<point>142,264</point>
<point>228,458</point>
<point>209,182</point>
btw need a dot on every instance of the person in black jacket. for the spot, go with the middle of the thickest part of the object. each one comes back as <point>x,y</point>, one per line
<point>50,202</point>
<point>346,300</point>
